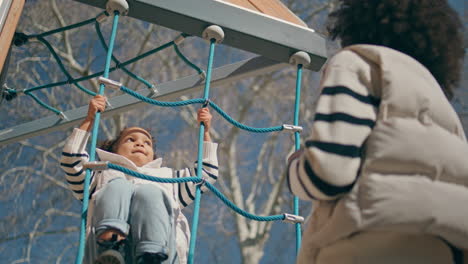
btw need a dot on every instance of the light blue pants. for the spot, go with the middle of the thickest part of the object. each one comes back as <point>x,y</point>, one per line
<point>143,212</point>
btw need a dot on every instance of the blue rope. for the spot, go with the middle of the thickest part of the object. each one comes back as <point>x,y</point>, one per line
<point>97,74</point>
<point>160,103</point>
<point>242,126</point>
<point>58,30</point>
<point>200,101</point>
<point>61,66</point>
<point>187,61</point>
<point>240,211</point>
<point>40,102</point>
<point>84,210</point>
<point>131,74</point>
<point>211,187</point>
<point>196,210</point>
<point>297,146</point>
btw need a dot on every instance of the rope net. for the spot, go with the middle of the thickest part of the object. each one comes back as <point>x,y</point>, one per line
<point>9,94</point>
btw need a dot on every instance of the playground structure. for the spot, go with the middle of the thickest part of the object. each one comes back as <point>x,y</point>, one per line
<point>278,41</point>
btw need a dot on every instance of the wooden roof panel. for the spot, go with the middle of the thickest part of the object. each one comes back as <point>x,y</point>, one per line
<point>274,8</point>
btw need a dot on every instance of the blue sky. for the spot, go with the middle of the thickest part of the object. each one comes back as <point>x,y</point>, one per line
<point>458,5</point>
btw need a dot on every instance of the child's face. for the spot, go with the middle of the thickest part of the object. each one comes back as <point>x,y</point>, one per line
<point>136,145</point>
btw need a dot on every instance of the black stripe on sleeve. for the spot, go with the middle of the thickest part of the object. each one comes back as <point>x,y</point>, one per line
<point>66,154</point>
<point>345,118</point>
<point>75,174</point>
<point>335,148</point>
<point>92,192</point>
<point>76,183</point>
<point>211,175</point>
<point>324,187</point>
<point>334,90</point>
<point>70,165</point>
<point>187,189</point>
<point>208,165</point>
<point>181,199</point>
<point>205,171</point>
<point>300,181</point>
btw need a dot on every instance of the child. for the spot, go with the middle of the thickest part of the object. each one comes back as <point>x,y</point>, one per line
<point>386,164</point>
<point>130,216</point>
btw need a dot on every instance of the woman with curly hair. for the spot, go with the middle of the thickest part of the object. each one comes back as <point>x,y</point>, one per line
<point>386,165</point>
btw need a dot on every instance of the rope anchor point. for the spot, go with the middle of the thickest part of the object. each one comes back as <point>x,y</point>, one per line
<point>300,58</point>
<point>213,32</point>
<point>120,6</point>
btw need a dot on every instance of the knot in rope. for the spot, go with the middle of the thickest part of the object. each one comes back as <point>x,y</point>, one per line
<point>20,39</point>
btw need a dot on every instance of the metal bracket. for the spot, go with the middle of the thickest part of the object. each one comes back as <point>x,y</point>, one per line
<point>293,219</point>
<point>292,128</point>
<point>96,165</point>
<point>109,83</point>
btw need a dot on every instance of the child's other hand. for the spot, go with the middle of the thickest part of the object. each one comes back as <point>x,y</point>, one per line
<point>98,103</point>
<point>204,115</point>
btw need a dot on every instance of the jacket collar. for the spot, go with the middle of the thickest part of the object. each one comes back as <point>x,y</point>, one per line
<point>123,161</point>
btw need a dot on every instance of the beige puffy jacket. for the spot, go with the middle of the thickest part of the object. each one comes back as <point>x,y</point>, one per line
<point>410,199</point>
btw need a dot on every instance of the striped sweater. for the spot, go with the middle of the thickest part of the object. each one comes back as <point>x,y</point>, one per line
<point>74,155</point>
<point>345,115</point>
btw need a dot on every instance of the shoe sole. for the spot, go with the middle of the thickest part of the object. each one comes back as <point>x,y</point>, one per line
<point>110,257</point>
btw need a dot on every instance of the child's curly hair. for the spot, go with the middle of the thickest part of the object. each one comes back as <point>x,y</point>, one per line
<point>110,145</point>
<point>430,31</point>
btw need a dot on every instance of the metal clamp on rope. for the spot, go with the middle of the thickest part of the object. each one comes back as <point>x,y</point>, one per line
<point>293,219</point>
<point>206,103</point>
<point>19,92</point>
<point>201,183</point>
<point>109,83</point>
<point>63,116</point>
<point>292,128</point>
<point>153,91</point>
<point>179,39</point>
<point>96,165</point>
<point>101,17</point>
<point>108,104</point>
<point>202,75</point>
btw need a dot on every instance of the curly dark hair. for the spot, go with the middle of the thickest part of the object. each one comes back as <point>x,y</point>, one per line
<point>430,31</point>
<point>110,145</point>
